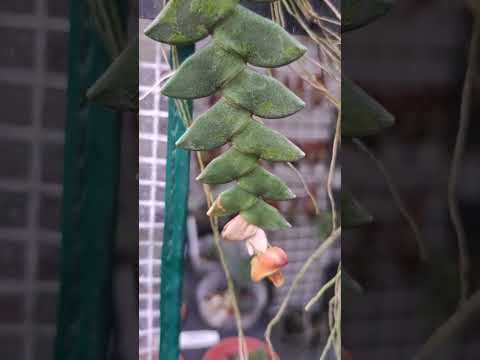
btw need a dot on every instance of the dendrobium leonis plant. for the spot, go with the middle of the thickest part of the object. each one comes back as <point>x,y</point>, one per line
<point>267,260</point>
<point>240,40</point>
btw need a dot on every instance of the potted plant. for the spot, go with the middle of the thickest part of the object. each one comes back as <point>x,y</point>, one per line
<point>227,349</point>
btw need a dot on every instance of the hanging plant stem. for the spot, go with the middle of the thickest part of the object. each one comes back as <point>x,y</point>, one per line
<point>422,249</point>
<point>463,258</point>
<point>333,164</point>
<point>467,313</point>
<point>305,186</point>
<point>322,291</point>
<point>334,236</point>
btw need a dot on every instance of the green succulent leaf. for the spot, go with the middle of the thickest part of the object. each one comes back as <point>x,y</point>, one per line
<point>229,166</point>
<point>203,73</point>
<point>264,184</point>
<point>117,88</point>
<point>358,13</point>
<point>215,127</point>
<point>362,115</point>
<point>262,95</point>
<point>350,283</point>
<point>265,216</point>
<point>184,22</point>
<point>232,201</point>
<point>268,144</point>
<point>259,41</point>
<point>353,213</point>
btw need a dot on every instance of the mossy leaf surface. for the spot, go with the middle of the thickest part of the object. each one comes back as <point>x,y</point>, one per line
<point>353,213</point>
<point>229,166</point>
<point>262,95</point>
<point>203,73</point>
<point>117,88</point>
<point>232,201</point>
<point>215,127</point>
<point>183,22</point>
<point>259,41</point>
<point>266,143</point>
<point>264,184</point>
<point>265,216</point>
<point>361,114</point>
<point>358,13</point>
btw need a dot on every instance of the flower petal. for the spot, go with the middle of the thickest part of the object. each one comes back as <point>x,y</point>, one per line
<point>258,243</point>
<point>238,229</point>
<point>277,279</point>
<point>267,263</point>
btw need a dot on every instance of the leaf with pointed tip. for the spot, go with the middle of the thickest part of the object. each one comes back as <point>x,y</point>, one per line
<point>203,73</point>
<point>324,223</point>
<point>357,13</point>
<point>263,183</point>
<point>265,216</point>
<point>215,127</point>
<point>117,88</point>
<point>262,95</point>
<point>353,214</point>
<point>268,144</point>
<point>183,22</point>
<point>350,282</point>
<point>258,40</point>
<point>232,201</point>
<point>229,166</point>
<point>362,115</point>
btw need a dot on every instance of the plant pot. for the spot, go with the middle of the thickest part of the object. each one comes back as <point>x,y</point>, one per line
<point>227,349</point>
<point>215,315</point>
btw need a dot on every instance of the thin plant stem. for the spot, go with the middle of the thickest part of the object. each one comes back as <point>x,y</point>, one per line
<point>338,315</point>
<point>307,189</point>
<point>322,291</point>
<point>324,354</point>
<point>333,8</point>
<point>463,258</point>
<point>467,313</point>
<point>155,86</point>
<point>334,236</point>
<point>333,164</point>
<point>396,198</point>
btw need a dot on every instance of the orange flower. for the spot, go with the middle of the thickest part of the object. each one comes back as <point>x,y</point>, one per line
<point>268,264</point>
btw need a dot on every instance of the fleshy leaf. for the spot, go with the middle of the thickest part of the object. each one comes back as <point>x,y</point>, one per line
<point>259,41</point>
<point>265,216</point>
<point>262,95</point>
<point>232,201</point>
<point>353,214</point>
<point>203,73</point>
<point>183,22</point>
<point>229,166</point>
<point>117,88</point>
<point>266,143</point>
<point>362,115</point>
<point>357,13</point>
<point>215,127</point>
<point>263,183</point>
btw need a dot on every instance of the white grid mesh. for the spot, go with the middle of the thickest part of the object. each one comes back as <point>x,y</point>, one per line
<point>37,239</point>
<point>153,140</point>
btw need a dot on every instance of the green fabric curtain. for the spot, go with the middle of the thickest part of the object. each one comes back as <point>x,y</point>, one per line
<point>91,162</point>
<point>176,208</point>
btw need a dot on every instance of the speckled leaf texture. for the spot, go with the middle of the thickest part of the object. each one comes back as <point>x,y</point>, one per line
<point>117,88</point>
<point>239,39</point>
<point>362,115</point>
<point>357,13</point>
